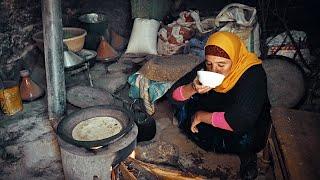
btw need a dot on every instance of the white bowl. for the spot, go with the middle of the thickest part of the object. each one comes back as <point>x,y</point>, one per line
<point>211,79</point>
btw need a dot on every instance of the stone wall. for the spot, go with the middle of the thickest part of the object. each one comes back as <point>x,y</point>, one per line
<point>19,20</point>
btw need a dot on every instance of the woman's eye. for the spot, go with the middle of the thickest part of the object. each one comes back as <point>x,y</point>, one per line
<point>220,65</point>
<point>208,63</point>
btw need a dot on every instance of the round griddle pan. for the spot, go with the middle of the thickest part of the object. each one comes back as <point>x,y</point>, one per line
<point>67,124</point>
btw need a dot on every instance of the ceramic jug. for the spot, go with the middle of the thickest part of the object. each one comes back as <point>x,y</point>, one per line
<point>29,90</point>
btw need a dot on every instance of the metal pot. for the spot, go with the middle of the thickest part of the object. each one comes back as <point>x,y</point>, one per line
<point>96,25</point>
<point>94,22</point>
<point>146,128</point>
<point>67,124</point>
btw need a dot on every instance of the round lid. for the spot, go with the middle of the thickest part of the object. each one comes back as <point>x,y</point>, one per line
<point>285,81</point>
<point>86,96</point>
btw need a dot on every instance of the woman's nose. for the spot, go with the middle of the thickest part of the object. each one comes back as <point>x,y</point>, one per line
<point>215,68</point>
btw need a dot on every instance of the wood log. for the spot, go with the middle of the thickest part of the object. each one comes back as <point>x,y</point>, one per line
<point>127,175</point>
<point>165,173</point>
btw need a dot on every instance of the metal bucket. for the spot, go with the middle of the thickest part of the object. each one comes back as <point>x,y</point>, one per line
<point>10,99</point>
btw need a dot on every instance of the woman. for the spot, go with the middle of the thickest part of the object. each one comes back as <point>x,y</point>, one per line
<point>233,117</point>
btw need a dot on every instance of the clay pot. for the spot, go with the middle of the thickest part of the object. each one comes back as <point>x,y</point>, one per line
<point>29,90</point>
<point>105,50</point>
<point>118,42</point>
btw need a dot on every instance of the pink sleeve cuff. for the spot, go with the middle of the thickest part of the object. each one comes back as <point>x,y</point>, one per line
<point>177,94</point>
<point>218,120</point>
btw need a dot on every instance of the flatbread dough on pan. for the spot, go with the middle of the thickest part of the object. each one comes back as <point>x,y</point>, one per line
<point>96,128</point>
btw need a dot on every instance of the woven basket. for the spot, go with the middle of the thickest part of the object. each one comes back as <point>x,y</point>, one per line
<point>169,68</point>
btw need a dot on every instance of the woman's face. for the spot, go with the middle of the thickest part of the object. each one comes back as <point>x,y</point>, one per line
<point>218,64</point>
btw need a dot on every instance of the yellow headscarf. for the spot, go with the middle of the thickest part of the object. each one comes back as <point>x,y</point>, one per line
<point>241,58</point>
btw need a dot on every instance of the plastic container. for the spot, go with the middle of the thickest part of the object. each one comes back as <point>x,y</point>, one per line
<point>74,38</point>
<point>10,99</point>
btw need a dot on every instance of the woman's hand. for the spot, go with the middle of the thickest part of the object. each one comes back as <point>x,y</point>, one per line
<point>199,117</point>
<point>199,88</point>
<point>193,88</point>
